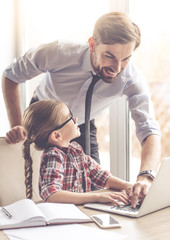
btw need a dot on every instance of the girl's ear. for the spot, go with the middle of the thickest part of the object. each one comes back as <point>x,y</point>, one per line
<point>55,137</point>
<point>91,44</point>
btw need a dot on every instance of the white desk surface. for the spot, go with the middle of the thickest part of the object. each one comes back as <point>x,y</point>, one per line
<point>155,226</point>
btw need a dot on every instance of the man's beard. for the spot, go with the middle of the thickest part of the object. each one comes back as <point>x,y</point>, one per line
<point>106,79</point>
<point>100,72</point>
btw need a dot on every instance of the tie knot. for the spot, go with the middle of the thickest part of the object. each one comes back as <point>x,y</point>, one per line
<point>95,78</point>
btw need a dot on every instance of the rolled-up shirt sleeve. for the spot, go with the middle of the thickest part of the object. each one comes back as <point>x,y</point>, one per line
<point>33,63</point>
<point>22,69</point>
<point>141,108</point>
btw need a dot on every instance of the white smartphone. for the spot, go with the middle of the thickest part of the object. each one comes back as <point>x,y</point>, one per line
<point>105,221</point>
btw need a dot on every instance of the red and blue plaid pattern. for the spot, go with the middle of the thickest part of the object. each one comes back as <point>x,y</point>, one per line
<point>67,168</point>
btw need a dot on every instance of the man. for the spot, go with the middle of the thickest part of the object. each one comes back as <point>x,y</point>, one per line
<point>68,69</point>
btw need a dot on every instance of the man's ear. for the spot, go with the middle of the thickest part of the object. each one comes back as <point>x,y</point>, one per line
<point>55,136</point>
<point>91,44</point>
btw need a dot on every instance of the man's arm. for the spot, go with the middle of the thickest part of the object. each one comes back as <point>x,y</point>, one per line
<point>150,160</point>
<point>11,93</point>
<point>151,153</point>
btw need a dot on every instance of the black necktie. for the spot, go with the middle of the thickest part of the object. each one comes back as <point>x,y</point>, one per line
<point>87,113</point>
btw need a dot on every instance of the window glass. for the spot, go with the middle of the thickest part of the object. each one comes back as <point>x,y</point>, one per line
<point>152,57</point>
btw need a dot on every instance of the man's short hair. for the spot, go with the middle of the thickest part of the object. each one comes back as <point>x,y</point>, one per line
<point>116,27</point>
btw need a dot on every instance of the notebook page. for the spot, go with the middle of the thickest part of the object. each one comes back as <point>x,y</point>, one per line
<point>61,212</point>
<point>21,211</point>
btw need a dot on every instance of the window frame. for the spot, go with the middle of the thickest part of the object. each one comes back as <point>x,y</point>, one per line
<point>120,122</point>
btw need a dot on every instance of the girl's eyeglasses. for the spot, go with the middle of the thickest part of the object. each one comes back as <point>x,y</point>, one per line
<point>64,123</point>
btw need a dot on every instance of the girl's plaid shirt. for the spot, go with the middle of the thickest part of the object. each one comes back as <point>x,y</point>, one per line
<point>69,169</point>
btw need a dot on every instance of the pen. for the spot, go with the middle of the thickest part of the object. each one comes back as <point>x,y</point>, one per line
<point>6,212</point>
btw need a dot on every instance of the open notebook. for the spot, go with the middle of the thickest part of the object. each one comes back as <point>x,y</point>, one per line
<point>25,213</point>
<point>157,198</point>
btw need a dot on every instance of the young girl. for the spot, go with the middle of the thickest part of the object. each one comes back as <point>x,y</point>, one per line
<point>66,173</point>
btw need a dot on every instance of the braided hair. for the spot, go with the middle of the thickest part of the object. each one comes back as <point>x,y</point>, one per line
<point>39,119</point>
<point>28,167</point>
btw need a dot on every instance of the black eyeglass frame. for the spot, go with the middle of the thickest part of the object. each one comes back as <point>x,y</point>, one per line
<point>64,123</point>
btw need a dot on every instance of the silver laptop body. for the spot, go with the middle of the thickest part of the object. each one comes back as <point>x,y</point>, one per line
<point>157,198</point>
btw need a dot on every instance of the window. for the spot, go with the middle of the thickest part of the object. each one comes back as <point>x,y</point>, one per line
<point>153,59</point>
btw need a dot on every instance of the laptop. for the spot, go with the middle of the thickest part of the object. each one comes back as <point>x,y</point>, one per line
<point>158,196</point>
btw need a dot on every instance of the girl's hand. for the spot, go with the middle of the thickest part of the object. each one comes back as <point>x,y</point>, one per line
<point>113,197</point>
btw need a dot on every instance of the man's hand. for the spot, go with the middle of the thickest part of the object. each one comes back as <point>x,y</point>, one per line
<point>16,134</point>
<point>150,159</point>
<point>139,190</point>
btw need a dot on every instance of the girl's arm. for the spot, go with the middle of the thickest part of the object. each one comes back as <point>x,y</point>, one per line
<point>117,183</point>
<point>82,198</point>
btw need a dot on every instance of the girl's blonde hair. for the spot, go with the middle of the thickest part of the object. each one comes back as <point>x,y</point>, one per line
<point>39,119</point>
<point>116,27</point>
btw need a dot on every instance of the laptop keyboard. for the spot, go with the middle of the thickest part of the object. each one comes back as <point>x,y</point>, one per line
<point>126,208</point>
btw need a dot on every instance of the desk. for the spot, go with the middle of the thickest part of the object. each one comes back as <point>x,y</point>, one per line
<point>155,226</point>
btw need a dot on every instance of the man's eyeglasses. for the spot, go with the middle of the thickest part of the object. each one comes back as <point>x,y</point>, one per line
<point>64,123</point>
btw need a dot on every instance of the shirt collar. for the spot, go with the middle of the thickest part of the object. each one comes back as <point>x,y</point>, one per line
<point>86,63</point>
